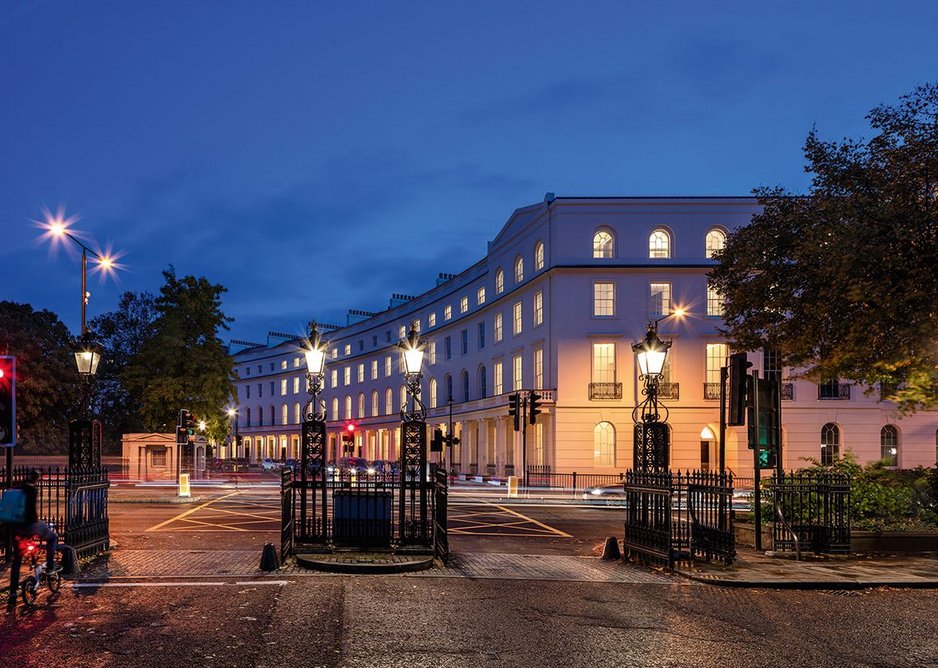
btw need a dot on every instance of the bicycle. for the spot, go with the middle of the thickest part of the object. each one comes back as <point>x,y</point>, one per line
<point>31,554</point>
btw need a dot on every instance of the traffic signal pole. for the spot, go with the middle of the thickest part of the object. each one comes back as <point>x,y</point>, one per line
<point>757,469</point>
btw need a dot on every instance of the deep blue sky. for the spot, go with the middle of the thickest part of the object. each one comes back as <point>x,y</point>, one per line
<point>283,149</point>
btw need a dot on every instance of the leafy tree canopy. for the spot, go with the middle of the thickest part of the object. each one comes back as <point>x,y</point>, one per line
<point>184,364</point>
<point>47,385</point>
<point>844,281</point>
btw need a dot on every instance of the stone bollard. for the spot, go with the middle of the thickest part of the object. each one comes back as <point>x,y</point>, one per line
<point>611,549</point>
<point>269,559</point>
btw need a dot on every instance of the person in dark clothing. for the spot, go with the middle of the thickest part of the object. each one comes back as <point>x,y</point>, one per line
<point>31,527</point>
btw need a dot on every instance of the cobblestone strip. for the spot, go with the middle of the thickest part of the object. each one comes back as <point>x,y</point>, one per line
<point>176,563</point>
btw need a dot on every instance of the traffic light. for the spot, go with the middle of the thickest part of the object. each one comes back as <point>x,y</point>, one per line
<point>514,409</point>
<point>182,427</point>
<point>737,379</point>
<point>348,438</point>
<point>534,407</point>
<point>764,423</point>
<point>7,401</point>
<point>436,443</point>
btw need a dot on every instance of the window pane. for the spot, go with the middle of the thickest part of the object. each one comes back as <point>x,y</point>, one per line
<point>660,300</point>
<point>604,444</point>
<point>716,358</point>
<point>604,297</point>
<point>604,362</point>
<point>716,240</point>
<point>603,245</point>
<point>659,244</point>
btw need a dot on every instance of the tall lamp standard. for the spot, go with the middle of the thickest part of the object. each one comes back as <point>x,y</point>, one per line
<point>313,452</point>
<point>414,527</point>
<point>233,418</point>
<point>651,436</point>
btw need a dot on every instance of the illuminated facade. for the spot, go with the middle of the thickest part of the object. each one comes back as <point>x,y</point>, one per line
<point>565,288</point>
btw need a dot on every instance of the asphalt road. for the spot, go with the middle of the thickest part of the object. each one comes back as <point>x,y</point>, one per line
<point>388,621</point>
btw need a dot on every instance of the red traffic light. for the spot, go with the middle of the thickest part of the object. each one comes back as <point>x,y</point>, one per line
<point>350,427</point>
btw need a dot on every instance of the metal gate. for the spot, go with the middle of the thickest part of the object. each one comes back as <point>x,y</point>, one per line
<point>813,511</point>
<point>287,516</point>
<point>440,525</point>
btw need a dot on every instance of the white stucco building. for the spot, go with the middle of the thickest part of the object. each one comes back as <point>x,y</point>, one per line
<point>565,288</point>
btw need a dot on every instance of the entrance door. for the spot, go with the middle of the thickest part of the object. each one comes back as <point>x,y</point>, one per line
<point>705,456</point>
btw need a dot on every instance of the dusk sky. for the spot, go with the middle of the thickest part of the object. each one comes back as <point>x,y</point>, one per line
<point>314,157</point>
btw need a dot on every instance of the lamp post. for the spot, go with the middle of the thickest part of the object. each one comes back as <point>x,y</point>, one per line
<point>414,528</point>
<point>84,433</point>
<point>313,452</point>
<point>233,417</point>
<point>651,437</point>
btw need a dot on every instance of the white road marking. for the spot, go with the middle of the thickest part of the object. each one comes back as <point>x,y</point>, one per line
<point>95,585</point>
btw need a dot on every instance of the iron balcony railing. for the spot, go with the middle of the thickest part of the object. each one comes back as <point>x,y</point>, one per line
<point>788,391</point>
<point>835,391</point>
<point>605,390</point>
<point>711,391</point>
<point>669,391</point>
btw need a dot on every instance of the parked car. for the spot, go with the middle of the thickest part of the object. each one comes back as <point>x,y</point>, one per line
<point>605,493</point>
<point>270,464</point>
<point>356,464</point>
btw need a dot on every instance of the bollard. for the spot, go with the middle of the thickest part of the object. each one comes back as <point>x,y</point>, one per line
<point>611,549</point>
<point>269,559</point>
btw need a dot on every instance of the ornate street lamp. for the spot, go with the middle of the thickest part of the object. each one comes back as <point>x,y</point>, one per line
<point>651,436</point>
<point>84,433</point>
<point>313,451</point>
<point>414,498</point>
<point>233,417</point>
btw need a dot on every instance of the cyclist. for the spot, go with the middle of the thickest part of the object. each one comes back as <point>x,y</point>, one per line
<point>32,527</point>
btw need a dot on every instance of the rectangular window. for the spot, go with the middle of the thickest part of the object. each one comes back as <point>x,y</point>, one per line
<point>296,385</point>
<point>416,325</point>
<point>347,375</point>
<point>283,387</point>
<point>497,377</point>
<point>447,312</point>
<point>335,353</point>
<point>604,363</point>
<point>660,302</point>
<point>516,319</point>
<point>772,363</point>
<point>714,301</point>
<point>716,358</point>
<point>296,362</point>
<point>374,369</point>
<point>448,346</point>
<point>463,304</point>
<point>158,457</point>
<point>538,308</point>
<point>283,365</point>
<point>361,372</point>
<point>402,332</point>
<point>480,296</point>
<point>335,378</point>
<point>516,373</point>
<point>604,299</point>
<point>538,368</point>
<point>464,341</point>
<point>387,367</point>
<point>481,335</point>
<point>431,353</point>
<point>431,320</point>
<point>348,348</point>
<point>498,327</point>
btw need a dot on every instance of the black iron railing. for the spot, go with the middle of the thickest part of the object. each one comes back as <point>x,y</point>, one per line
<point>814,508</point>
<point>788,391</point>
<point>542,477</point>
<point>440,524</point>
<point>669,391</point>
<point>711,391</point>
<point>605,390</point>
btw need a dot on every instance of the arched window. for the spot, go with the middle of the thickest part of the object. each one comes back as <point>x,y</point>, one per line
<point>335,408</point>
<point>604,444</point>
<point>374,403</point>
<point>538,256</point>
<point>464,378</point>
<point>284,414</point>
<point>348,407</point>
<point>361,404</point>
<point>519,269</point>
<point>716,240</point>
<point>483,383</point>
<point>659,244</point>
<point>248,416</point>
<point>604,245</point>
<point>499,281</point>
<point>388,402</point>
<point>296,413</point>
<point>403,395</point>
<point>433,393</point>
<point>889,445</point>
<point>448,387</point>
<point>830,443</point>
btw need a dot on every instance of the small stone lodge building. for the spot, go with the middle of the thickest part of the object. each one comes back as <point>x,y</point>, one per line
<point>152,456</point>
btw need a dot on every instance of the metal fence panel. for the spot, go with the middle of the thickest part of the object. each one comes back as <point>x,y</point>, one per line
<point>813,507</point>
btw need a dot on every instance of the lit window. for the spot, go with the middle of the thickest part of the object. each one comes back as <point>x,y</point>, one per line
<point>284,414</point>
<point>659,244</point>
<point>716,240</point>
<point>604,444</point>
<point>463,304</point>
<point>714,301</point>
<point>361,372</point>
<point>830,443</point>
<point>431,320</point>
<point>604,246</point>
<point>498,327</point>
<point>519,269</point>
<point>348,407</point>
<point>388,401</point>
<point>361,405</point>
<point>480,296</point>
<point>660,303</point>
<point>538,256</point>
<point>402,332</point>
<point>538,308</point>
<point>296,362</point>
<point>283,365</point>
<point>516,319</point>
<point>374,369</point>
<point>387,367</point>
<point>296,385</point>
<point>516,377</point>
<point>433,393</point>
<point>403,396</point>
<point>604,299</point>
<point>716,360</point>
<point>335,353</point>
<point>416,325</point>
<point>497,377</point>
<point>604,363</point>
<point>431,353</point>
<point>889,445</point>
<point>499,281</point>
<point>335,408</point>
<point>296,413</point>
<point>538,368</point>
<point>348,348</point>
<point>447,312</point>
<point>283,387</point>
<point>334,380</point>
<point>374,403</point>
<point>347,375</point>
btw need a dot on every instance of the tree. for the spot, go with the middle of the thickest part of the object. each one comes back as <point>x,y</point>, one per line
<point>122,334</point>
<point>48,392</point>
<point>844,281</point>
<point>184,364</point>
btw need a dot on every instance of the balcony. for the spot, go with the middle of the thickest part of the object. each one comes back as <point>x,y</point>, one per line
<point>833,391</point>
<point>712,391</point>
<point>605,390</point>
<point>669,391</point>
<point>788,391</point>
